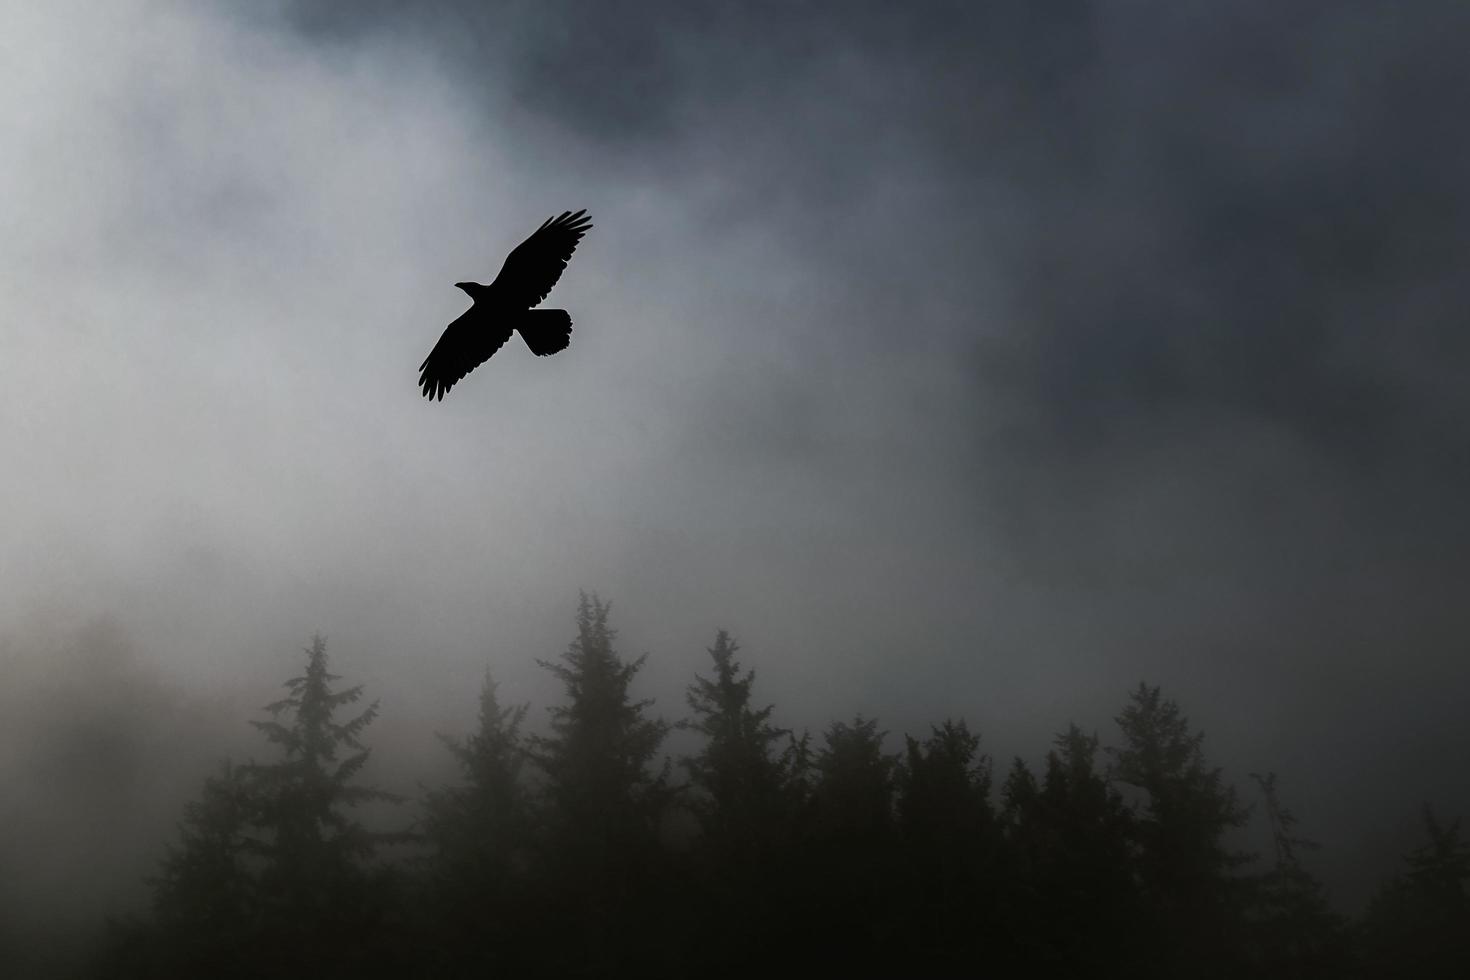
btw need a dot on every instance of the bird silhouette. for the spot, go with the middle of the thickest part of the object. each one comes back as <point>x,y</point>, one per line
<point>505,306</point>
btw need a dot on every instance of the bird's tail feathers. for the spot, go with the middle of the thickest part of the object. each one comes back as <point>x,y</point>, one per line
<point>545,331</point>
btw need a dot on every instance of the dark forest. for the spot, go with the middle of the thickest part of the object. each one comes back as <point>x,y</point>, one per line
<point>587,851</point>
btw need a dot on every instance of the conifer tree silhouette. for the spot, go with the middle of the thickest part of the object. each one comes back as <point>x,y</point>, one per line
<point>271,875</point>
<point>603,802</point>
<point>747,787</point>
<point>1185,863</point>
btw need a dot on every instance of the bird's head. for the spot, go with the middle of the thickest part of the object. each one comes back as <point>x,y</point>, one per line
<point>472,288</point>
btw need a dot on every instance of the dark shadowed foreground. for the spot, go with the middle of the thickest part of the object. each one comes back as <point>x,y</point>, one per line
<point>768,853</point>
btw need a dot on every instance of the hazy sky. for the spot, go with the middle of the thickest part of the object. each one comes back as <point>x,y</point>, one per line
<point>975,359</point>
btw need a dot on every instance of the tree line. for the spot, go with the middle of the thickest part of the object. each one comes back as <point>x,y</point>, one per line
<point>584,852</point>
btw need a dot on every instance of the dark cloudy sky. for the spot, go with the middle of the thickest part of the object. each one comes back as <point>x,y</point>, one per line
<point>975,358</point>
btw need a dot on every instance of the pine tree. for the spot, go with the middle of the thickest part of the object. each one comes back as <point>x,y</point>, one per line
<point>603,803</point>
<point>747,787</point>
<point>944,789</point>
<point>853,858</point>
<point>1439,869</point>
<point>747,791</point>
<point>853,796</point>
<point>949,837</point>
<point>1295,930</point>
<point>598,759</point>
<point>1418,924</point>
<point>318,894</point>
<point>1185,864</point>
<point>479,829</point>
<point>1018,795</point>
<point>479,833</point>
<point>1074,901</point>
<point>205,897</point>
<point>269,875</point>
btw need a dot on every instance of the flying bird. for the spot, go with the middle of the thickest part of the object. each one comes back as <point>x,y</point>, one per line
<point>505,306</point>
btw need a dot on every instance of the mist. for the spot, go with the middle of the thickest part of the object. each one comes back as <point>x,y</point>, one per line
<point>964,360</point>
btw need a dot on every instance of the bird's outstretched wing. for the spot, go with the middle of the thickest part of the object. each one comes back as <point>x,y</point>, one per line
<point>534,266</point>
<point>465,344</point>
